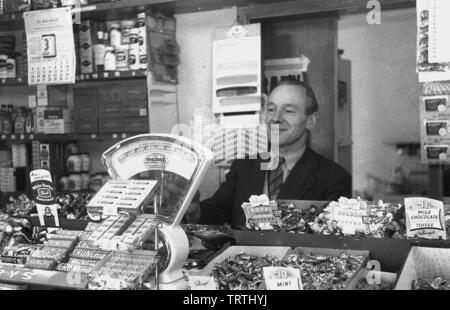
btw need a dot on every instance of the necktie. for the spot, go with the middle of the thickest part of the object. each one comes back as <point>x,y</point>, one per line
<point>276,180</point>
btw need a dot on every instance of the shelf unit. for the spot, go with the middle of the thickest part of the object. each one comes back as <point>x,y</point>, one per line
<point>21,138</point>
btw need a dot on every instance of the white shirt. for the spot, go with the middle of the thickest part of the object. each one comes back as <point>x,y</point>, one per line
<point>289,162</point>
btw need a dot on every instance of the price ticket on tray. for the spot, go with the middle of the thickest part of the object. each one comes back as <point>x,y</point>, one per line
<point>50,46</point>
<point>282,278</point>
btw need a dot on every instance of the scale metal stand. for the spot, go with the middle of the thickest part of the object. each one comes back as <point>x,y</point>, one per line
<point>165,153</point>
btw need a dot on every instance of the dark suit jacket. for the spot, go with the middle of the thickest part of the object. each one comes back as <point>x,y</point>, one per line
<point>312,178</point>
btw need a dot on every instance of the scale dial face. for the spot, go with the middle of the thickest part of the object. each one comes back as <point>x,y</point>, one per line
<point>175,160</point>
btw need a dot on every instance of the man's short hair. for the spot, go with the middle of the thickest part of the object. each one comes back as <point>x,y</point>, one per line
<point>312,105</point>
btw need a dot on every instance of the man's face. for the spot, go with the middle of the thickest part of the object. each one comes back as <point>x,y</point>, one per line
<point>286,108</point>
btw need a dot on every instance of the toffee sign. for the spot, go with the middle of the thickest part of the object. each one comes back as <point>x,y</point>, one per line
<point>43,192</point>
<point>282,278</point>
<point>202,283</point>
<point>351,215</point>
<point>425,218</point>
<point>260,213</point>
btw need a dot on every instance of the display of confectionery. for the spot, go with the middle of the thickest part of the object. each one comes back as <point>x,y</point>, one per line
<point>365,286</point>
<point>243,271</point>
<point>71,206</point>
<point>433,284</point>
<point>386,220</point>
<point>322,272</point>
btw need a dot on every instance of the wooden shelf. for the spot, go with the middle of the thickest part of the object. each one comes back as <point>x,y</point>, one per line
<point>82,78</point>
<point>111,75</point>
<point>19,81</point>
<point>21,138</point>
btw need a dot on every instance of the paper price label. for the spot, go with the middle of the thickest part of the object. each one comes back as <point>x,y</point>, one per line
<point>202,283</point>
<point>110,210</point>
<point>425,218</point>
<point>282,278</point>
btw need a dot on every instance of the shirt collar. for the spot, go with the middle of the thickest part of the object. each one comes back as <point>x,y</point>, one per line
<point>290,160</point>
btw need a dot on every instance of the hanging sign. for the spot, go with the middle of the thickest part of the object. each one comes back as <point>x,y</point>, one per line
<point>50,46</point>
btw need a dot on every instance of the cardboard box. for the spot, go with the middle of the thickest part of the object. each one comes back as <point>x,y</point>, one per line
<point>391,253</point>
<point>110,110</point>
<point>136,125</point>
<point>89,111</point>
<point>277,251</point>
<point>136,90</point>
<point>110,125</point>
<point>87,125</point>
<point>53,120</point>
<point>135,108</point>
<point>424,263</point>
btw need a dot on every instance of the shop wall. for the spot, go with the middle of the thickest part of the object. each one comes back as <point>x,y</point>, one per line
<point>194,36</point>
<point>385,93</point>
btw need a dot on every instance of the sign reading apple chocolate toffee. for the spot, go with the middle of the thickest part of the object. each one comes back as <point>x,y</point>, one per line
<point>425,218</point>
<point>43,193</point>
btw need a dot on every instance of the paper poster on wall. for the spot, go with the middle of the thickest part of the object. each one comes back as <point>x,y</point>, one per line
<point>50,46</point>
<point>432,41</point>
<point>237,69</point>
<point>439,43</point>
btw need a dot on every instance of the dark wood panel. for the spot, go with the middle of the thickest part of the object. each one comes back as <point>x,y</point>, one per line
<point>316,39</point>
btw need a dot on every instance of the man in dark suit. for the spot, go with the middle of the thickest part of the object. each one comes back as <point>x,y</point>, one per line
<point>294,171</point>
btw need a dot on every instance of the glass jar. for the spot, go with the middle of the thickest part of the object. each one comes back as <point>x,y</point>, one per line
<point>85,162</point>
<point>115,36</point>
<point>64,183</point>
<point>73,163</point>
<point>75,182</point>
<point>110,59</point>
<point>85,181</point>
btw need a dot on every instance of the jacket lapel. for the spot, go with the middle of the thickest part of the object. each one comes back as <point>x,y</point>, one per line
<point>257,178</point>
<point>301,178</point>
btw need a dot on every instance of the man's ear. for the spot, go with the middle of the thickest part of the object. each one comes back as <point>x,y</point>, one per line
<point>311,122</point>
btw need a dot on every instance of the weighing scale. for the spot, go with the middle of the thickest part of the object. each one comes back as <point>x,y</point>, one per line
<point>179,165</point>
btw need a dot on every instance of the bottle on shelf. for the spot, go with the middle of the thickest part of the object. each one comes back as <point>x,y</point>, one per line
<point>19,122</point>
<point>7,125</point>
<point>2,116</point>
<point>29,122</point>
<point>99,52</point>
<point>110,59</point>
<point>115,36</point>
